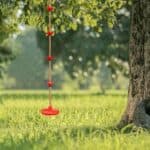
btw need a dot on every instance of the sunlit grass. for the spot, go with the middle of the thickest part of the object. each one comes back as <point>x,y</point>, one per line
<point>86,122</point>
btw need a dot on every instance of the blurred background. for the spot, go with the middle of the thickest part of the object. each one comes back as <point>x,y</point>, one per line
<point>84,59</point>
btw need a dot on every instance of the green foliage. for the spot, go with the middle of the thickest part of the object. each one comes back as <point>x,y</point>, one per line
<point>69,14</point>
<point>7,54</point>
<point>28,68</point>
<point>82,51</point>
<point>8,17</point>
<point>95,15</point>
<point>8,25</point>
<point>86,122</point>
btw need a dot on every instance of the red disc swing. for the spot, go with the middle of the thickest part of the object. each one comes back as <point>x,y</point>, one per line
<point>50,110</point>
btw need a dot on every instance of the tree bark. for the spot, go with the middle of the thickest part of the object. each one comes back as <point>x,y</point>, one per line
<point>138,106</point>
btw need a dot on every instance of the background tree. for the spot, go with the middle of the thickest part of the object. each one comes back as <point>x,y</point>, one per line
<point>8,25</point>
<point>82,51</point>
<point>70,15</point>
<point>27,69</point>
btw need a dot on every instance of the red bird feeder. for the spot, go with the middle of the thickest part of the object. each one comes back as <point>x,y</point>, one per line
<point>50,58</point>
<point>50,8</point>
<point>49,111</point>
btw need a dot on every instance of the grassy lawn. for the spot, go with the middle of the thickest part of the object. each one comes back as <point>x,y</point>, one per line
<point>86,122</point>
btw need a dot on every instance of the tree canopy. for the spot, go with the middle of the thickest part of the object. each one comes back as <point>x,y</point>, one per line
<point>83,50</point>
<point>68,15</point>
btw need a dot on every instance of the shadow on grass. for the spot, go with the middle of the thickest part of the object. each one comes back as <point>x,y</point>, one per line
<point>92,131</point>
<point>86,131</point>
<point>59,138</point>
<point>58,96</point>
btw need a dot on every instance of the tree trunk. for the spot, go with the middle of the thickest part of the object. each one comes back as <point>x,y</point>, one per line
<point>138,106</point>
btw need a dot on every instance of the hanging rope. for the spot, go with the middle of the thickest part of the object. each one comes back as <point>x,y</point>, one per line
<point>49,53</point>
<point>50,110</point>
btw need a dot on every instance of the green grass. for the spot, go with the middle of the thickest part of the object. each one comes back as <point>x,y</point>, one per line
<point>86,122</point>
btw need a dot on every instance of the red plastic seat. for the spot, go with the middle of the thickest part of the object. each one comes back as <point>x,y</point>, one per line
<point>49,111</point>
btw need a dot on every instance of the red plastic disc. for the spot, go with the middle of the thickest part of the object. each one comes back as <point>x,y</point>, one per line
<point>49,111</point>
